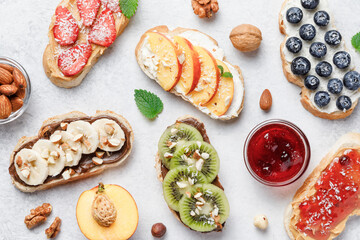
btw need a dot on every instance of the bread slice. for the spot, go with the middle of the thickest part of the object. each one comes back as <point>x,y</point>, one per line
<point>44,133</point>
<point>52,50</point>
<point>297,80</point>
<point>348,141</point>
<point>161,170</point>
<point>165,30</point>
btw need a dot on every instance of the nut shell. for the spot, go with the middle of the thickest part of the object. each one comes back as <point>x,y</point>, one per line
<point>246,37</point>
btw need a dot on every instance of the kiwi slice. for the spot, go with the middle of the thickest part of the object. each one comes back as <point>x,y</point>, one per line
<point>174,136</point>
<point>200,155</point>
<point>178,182</point>
<point>206,209</point>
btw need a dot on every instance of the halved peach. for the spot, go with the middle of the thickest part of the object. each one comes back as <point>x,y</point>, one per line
<point>209,79</point>
<point>191,68</point>
<point>224,96</point>
<point>169,68</point>
<point>127,216</point>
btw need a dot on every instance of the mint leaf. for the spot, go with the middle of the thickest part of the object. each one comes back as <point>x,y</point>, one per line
<point>355,41</point>
<point>148,103</point>
<point>128,7</point>
<point>227,75</point>
<point>221,69</point>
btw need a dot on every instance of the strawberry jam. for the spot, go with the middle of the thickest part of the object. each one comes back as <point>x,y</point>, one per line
<point>336,196</point>
<point>277,153</point>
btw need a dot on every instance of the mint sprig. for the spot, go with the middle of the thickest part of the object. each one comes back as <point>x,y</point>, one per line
<point>355,41</point>
<point>224,74</point>
<point>128,7</point>
<point>148,103</point>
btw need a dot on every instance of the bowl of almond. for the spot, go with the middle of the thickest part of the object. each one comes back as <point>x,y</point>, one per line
<point>15,90</point>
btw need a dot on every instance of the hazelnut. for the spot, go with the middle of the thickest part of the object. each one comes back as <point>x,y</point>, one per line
<point>246,37</point>
<point>158,230</point>
<point>261,222</point>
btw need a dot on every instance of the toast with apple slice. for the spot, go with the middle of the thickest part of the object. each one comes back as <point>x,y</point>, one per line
<point>70,147</point>
<point>194,67</point>
<point>80,31</point>
<point>329,196</point>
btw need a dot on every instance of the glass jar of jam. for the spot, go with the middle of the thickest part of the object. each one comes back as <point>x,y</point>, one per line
<point>276,152</point>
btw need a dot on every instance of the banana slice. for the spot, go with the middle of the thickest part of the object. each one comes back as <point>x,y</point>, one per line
<point>72,149</point>
<point>85,134</point>
<point>52,154</point>
<point>111,135</point>
<point>31,167</point>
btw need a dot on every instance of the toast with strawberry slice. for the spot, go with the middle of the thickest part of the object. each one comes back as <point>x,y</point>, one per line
<point>79,33</point>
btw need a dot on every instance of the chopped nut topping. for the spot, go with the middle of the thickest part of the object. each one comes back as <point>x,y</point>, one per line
<point>168,155</point>
<point>113,142</point>
<point>25,172</point>
<point>55,138</point>
<point>199,164</point>
<point>64,126</point>
<point>197,195</point>
<point>191,181</point>
<point>188,194</point>
<point>87,144</point>
<point>37,215</point>
<point>71,171</point>
<point>55,154</point>
<point>198,143</point>
<point>109,129</point>
<point>181,184</point>
<point>205,155</point>
<point>19,161</point>
<point>97,161</point>
<point>54,228</point>
<point>78,137</point>
<point>69,157</point>
<point>196,155</point>
<point>51,160</point>
<point>66,175</point>
<point>99,154</point>
<point>192,213</point>
<point>171,145</point>
<point>64,146</point>
<point>174,131</point>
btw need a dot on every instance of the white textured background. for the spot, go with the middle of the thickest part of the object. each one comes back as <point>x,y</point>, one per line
<point>110,85</point>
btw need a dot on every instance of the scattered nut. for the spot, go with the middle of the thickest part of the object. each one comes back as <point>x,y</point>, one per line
<point>246,37</point>
<point>261,222</point>
<point>54,228</point>
<point>205,8</point>
<point>158,230</point>
<point>266,100</point>
<point>38,215</point>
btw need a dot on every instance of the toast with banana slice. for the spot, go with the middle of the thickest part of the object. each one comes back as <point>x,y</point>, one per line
<point>70,147</point>
<point>190,64</point>
<point>80,31</point>
<point>329,196</point>
<point>188,166</point>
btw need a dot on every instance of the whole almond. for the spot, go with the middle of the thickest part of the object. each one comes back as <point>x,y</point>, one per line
<point>19,78</point>
<point>5,76</point>
<point>246,37</point>
<point>5,107</point>
<point>266,100</point>
<point>16,103</point>
<point>7,67</point>
<point>8,90</point>
<point>21,93</point>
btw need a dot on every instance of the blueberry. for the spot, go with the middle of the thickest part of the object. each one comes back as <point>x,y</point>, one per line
<point>322,99</point>
<point>311,82</point>
<point>352,80</point>
<point>333,37</point>
<point>318,49</point>
<point>342,59</point>
<point>307,32</point>
<point>321,18</point>
<point>294,15</point>
<point>300,66</point>
<point>310,4</point>
<point>343,103</point>
<point>323,69</point>
<point>335,86</point>
<point>294,44</point>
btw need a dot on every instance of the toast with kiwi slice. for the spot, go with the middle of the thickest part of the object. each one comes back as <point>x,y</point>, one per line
<point>188,165</point>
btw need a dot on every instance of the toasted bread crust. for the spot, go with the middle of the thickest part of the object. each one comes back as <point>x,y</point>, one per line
<point>77,176</point>
<point>164,29</point>
<point>350,140</point>
<point>50,65</point>
<point>305,93</point>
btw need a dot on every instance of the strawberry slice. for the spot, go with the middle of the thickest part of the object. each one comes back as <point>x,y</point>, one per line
<point>73,60</point>
<point>113,5</point>
<point>66,30</point>
<point>103,32</point>
<point>88,10</point>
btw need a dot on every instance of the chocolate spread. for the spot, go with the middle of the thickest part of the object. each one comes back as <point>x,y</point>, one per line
<point>85,163</point>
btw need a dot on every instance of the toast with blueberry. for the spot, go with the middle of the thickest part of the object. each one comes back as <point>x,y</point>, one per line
<point>315,58</point>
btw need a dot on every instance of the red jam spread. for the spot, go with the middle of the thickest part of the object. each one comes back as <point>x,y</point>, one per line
<point>276,152</point>
<point>337,196</point>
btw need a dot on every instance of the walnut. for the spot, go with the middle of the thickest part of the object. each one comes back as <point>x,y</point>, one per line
<point>38,215</point>
<point>246,37</point>
<point>54,228</point>
<point>103,209</point>
<point>205,8</point>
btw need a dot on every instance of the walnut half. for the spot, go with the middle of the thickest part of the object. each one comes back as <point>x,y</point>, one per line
<point>38,215</point>
<point>54,228</point>
<point>205,8</point>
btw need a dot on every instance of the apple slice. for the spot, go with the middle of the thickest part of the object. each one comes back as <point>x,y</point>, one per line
<point>191,68</point>
<point>127,216</point>
<point>225,93</point>
<point>209,79</point>
<point>169,67</point>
